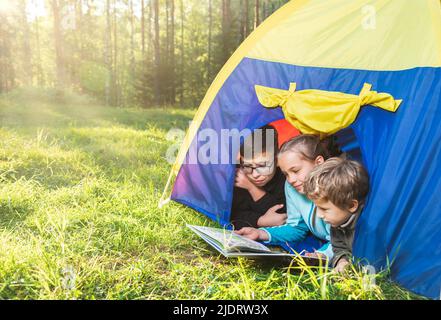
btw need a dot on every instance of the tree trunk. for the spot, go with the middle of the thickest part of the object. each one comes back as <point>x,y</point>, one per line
<point>247,18</point>
<point>58,41</point>
<point>256,13</point>
<point>210,28</point>
<point>143,31</point>
<point>265,10</point>
<point>172,73</point>
<point>27,55</point>
<point>7,74</point>
<point>166,61</point>
<point>79,26</point>
<point>115,58</point>
<point>181,95</point>
<point>40,76</point>
<point>76,51</point>
<point>157,54</point>
<point>242,19</point>
<point>108,54</point>
<point>226,25</point>
<point>132,38</point>
<point>149,29</point>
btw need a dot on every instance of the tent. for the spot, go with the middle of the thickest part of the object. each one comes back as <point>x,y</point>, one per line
<point>339,45</point>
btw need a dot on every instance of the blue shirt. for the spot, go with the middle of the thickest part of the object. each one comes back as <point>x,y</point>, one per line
<point>300,221</point>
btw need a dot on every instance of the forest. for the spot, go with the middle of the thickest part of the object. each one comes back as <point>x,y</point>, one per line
<point>142,53</point>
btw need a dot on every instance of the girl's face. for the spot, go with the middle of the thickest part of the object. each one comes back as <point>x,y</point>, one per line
<point>296,168</point>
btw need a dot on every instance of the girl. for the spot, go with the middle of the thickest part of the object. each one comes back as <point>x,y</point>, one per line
<point>296,159</point>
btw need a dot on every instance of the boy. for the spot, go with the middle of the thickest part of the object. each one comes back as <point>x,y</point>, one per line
<point>339,188</point>
<point>258,194</point>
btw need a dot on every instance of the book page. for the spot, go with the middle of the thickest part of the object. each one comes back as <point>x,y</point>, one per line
<point>230,240</point>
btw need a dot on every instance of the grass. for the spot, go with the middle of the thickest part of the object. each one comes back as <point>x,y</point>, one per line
<point>79,187</point>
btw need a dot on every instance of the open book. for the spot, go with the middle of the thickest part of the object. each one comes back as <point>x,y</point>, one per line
<point>233,245</point>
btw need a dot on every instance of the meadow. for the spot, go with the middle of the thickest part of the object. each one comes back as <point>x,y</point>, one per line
<point>79,188</point>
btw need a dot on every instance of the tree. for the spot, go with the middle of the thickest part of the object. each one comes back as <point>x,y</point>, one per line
<point>7,74</point>
<point>150,28</point>
<point>172,74</point>
<point>132,38</point>
<point>265,9</point>
<point>79,27</point>
<point>244,19</point>
<point>115,78</point>
<point>108,54</point>
<point>148,52</point>
<point>182,71</point>
<point>210,31</point>
<point>226,29</point>
<point>27,54</point>
<point>143,30</point>
<point>40,74</point>
<point>157,53</point>
<point>256,13</point>
<point>57,6</point>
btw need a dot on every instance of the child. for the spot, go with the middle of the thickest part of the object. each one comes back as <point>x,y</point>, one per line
<point>297,158</point>
<point>258,188</point>
<point>339,188</point>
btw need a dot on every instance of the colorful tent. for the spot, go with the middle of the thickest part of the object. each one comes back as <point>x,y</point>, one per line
<point>339,45</point>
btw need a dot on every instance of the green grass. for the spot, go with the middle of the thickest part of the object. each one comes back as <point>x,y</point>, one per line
<point>79,187</point>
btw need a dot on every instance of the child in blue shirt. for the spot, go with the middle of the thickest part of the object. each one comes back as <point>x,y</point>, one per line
<point>297,158</point>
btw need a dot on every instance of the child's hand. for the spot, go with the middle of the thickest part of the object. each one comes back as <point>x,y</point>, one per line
<point>341,265</point>
<point>253,234</point>
<point>242,180</point>
<point>271,218</point>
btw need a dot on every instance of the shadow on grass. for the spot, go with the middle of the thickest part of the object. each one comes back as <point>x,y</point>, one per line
<point>138,119</point>
<point>13,213</point>
<point>37,115</point>
<point>115,142</point>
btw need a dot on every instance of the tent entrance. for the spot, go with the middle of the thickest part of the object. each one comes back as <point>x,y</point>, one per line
<point>347,142</point>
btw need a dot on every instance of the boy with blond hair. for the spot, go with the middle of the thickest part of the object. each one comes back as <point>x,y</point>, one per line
<point>339,188</point>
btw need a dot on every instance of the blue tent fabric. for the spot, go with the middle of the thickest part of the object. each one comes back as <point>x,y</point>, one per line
<point>310,244</point>
<point>401,222</point>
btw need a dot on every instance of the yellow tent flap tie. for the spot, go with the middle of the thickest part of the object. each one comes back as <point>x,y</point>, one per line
<point>323,112</point>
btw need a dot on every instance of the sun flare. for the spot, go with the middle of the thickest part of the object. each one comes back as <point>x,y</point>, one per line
<point>6,6</point>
